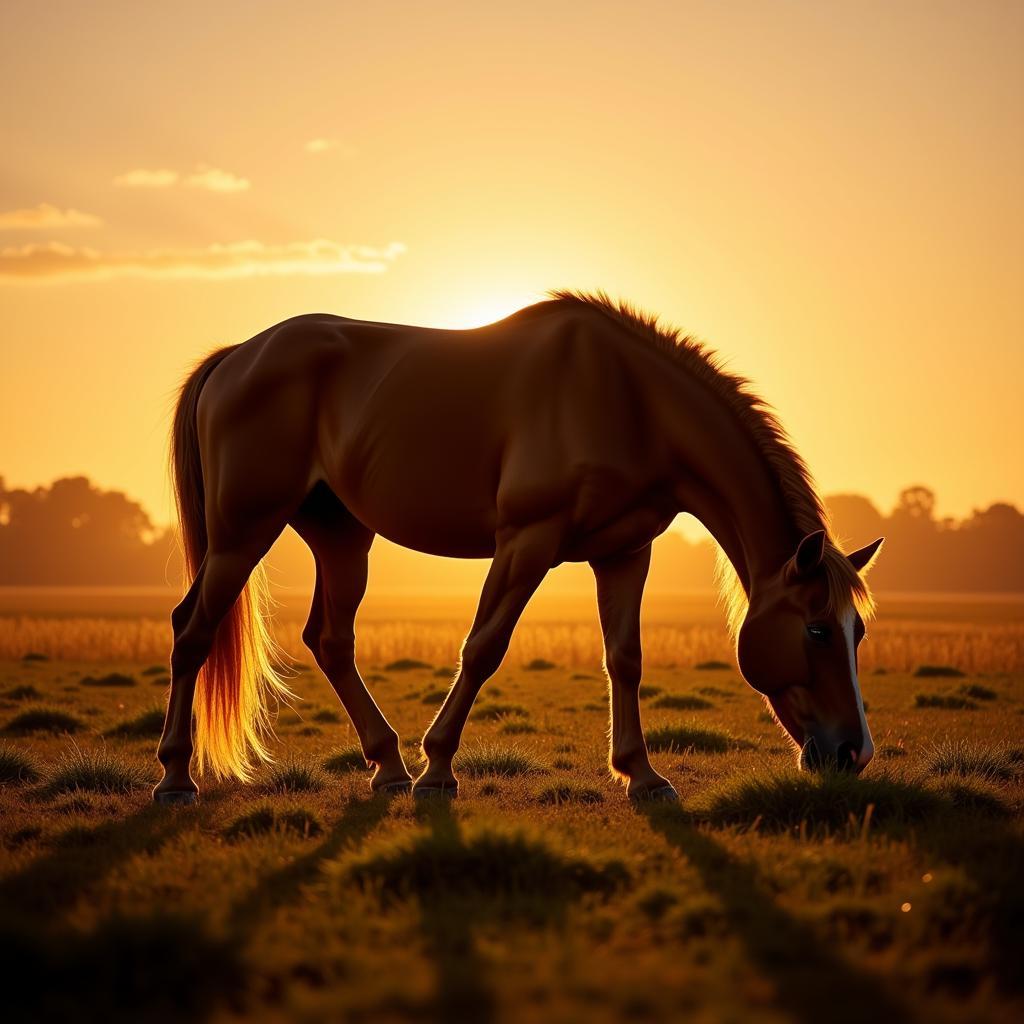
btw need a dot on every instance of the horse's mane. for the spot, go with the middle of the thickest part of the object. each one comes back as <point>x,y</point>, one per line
<point>846,587</point>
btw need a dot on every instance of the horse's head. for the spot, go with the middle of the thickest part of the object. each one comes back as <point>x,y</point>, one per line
<point>798,646</point>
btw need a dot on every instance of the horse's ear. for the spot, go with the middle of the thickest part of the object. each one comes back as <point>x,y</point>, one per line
<point>808,556</point>
<point>863,558</point>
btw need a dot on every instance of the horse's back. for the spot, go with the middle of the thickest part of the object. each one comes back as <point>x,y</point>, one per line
<point>433,437</point>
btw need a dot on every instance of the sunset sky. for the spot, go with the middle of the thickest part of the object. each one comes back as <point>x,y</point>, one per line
<point>830,194</point>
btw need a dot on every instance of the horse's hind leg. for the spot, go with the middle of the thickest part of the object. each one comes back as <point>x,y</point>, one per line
<point>521,561</point>
<point>218,583</point>
<point>340,546</point>
<point>620,589</point>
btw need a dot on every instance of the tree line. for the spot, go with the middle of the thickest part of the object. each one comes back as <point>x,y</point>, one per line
<point>73,533</point>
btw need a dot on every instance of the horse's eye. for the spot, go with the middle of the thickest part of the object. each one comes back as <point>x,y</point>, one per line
<point>819,633</point>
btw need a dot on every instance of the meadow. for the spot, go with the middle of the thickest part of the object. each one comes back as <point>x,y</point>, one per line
<point>540,893</point>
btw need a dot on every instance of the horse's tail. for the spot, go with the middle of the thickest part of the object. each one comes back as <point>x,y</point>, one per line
<point>239,678</point>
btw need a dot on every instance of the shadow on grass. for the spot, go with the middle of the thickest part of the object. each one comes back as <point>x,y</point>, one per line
<point>812,982</point>
<point>52,882</point>
<point>155,968</point>
<point>280,887</point>
<point>463,989</point>
<point>957,821</point>
<point>462,881</point>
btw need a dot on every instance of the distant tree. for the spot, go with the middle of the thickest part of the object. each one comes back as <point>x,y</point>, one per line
<point>855,518</point>
<point>74,533</point>
<point>916,503</point>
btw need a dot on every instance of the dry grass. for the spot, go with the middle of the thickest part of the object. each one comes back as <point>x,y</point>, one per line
<point>541,892</point>
<point>898,646</point>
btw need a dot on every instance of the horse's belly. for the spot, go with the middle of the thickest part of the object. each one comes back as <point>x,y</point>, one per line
<point>421,499</point>
<point>423,524</point>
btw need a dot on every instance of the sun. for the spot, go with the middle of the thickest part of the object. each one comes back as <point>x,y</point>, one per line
<point>485,309</point>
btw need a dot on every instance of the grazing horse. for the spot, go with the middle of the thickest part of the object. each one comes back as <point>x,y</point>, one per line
<point>573,430</point>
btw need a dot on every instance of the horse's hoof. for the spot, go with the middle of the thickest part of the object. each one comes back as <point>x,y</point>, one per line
<point>662,794</point>
<point>394,788</point>
<point>176,796</point>
<point>436,792</point>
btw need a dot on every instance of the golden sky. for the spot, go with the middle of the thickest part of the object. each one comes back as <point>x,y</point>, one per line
<point>830,194</point>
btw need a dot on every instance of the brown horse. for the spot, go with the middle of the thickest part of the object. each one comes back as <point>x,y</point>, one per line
<point>573,430</point>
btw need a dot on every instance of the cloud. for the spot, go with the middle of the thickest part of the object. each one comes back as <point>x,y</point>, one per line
<point>317,147</point>
<point>321,145</point>
<point>142,177</point>
<point>213,179</point>
<point>46,215</point>
<point>52,261</point>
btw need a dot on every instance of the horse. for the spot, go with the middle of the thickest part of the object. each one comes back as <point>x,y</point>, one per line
<point>575,429</point>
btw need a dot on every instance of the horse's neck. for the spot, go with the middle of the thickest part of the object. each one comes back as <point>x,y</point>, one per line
<point>726,482</point>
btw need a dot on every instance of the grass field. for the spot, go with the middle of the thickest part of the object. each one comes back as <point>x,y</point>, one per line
<point>540,894</point>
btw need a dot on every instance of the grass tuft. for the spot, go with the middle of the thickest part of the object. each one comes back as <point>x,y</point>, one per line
<point>973,795</point>
<point>978,692</point>
<point>434,697</point>
<point>21,693</point>
<point>715,691</point>
<point>17,766</point>
<point>518,729</point>
<point>147,725</point>
<point>964,758</point>
<point>43,720</point>
<point>111,679</point>
<point>938,672</point>
<point>680,737</point>
<point>946,702</point>
<point>34,656</point>
<point>778,801</point>
<point>646,691</point>
<point>519,871</point>
<point>539,665</point>
<point>712,666</point>
<point>406,665</point>
<point>347,759</point>
<point>497,759</point>
<point>95,771</point>
<point>327,717</point>
<point>495,712</point>
<point>783,800</point>
<point>295,777</point>
<point>267,820</point>
<point>569,793</point>
<point>154,670</point>
<point>682,702</point>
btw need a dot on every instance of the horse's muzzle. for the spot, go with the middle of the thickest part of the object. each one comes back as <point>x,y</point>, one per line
<point>843,758</point>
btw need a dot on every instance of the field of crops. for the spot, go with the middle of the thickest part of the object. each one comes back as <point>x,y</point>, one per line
<point>540,893</point>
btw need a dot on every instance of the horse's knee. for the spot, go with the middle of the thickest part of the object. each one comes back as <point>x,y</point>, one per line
<point>625,665</point>
<point>337,653</point>
<point>191,647</point>
<point>481,657</point>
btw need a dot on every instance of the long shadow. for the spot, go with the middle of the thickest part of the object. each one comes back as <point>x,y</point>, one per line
<point>49,885</point>
<point>813,982</point>
<point>155,966</point>
<point>359,819</point>
<point>463,992</point>
<point>991,854</point>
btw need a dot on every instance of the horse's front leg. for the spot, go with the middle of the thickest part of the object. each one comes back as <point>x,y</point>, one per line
<point>521,560</point>
<point>620,589</point>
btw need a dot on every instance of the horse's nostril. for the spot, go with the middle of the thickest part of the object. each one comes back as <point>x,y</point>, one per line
<point>846,757</point>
